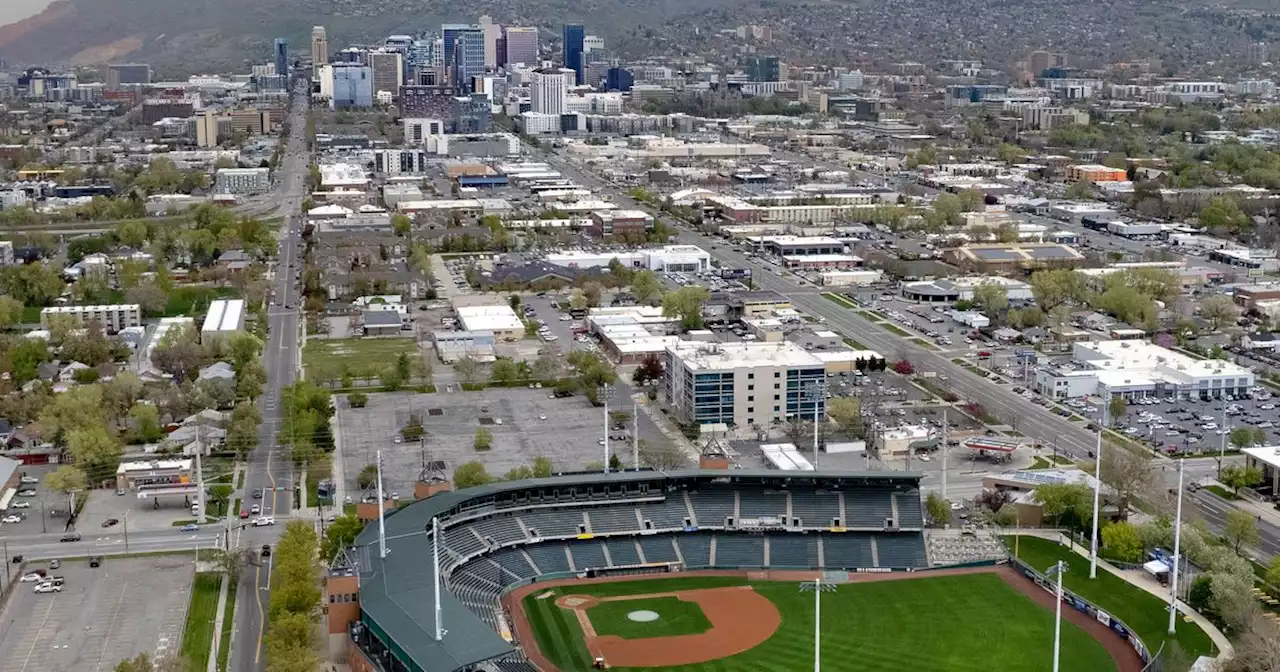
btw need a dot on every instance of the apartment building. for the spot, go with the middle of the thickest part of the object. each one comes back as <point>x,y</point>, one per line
<point>113,318</point>
<point>242,180</point>
<point>742,384</point>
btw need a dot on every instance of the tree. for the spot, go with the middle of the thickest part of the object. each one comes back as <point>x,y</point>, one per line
<point>66,479</point>
<point>661,454</point>
<point>938,508</point>
<point>1116,408</point>
<point>1241,437</point>
<point>483,440</point>
<point>368,476</point>
<point>1240,529</point>
<point>903,367</point>
<point>1236,476</point>
<point>1080,191</point>
<point>242,430</point>
<point>10,312</point>
<point>468,370</point>
<point>145,421</point>
<point>686,304</point>
<point>149,296</point>
<point>577,300</point>
<point>470,474</point>
<point>401,224</point>
<point>645,286</point>
<point>179,353</point>
<point>503,371</point>
<point>542,467</point>
<point>340,534</point>
<point>1218,310</point>
<point>650,370</point>
<point>357,399</point>
<point>1224,213</point>
<point>1122,542</point>
<point>1129,475</point>
<point>1053,288</point>
<point>992,298</point>
<point>549,364</point>
<point>847,413</point>
<point>78,408</point>
<point>1068,505</point>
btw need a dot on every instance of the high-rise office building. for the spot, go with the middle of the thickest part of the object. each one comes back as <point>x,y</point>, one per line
<point>282,57</point>
<point>619,79</point>
<point>127,74</point>
<point>492,33</point>
<point>473,114</point>
<point>352,85</point>
<point>319,49</point>
<point>463,52</point>
<point>549,91</point>
<point>388,71</point>
<point>522,45</point>
<point>592,43</point>
<point>1038,61</point>
<point>574,36</point>
<point>762,68</point>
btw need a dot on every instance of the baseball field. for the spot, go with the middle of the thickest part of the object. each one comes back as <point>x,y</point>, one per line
<point>972,620</point>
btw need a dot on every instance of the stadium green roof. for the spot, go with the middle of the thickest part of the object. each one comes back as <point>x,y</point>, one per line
<point>396,596</point>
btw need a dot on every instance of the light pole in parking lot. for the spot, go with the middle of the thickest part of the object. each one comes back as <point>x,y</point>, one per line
<point>604,393</point>
<point>1222,445</point>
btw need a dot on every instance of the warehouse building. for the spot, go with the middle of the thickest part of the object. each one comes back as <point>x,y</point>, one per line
<point>225,316</point>
<point>500,320</point>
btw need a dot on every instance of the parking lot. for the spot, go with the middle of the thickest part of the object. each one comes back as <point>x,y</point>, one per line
<point>567,431</point>
<point>45,511</point>
<point>1193,426</point>
<point>102,616</point>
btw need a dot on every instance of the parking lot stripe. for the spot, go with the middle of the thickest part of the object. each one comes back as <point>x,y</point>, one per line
<point>36,636</point>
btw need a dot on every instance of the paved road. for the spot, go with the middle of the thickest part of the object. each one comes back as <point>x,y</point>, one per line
<point>268,468</point>
<point>111,542</point>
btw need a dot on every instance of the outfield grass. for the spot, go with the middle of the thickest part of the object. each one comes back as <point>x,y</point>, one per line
<point>1145,613</point>
<point>970,623</point>
<point>361,357</point>
<point>197,633</point>
<point>675,617</point>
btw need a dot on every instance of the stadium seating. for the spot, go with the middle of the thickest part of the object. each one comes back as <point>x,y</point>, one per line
<point>605,519</point>
<point>658,549</point>
<point>622,551</point>
<point>739,550</point>
<point>757,504</point>
<point>512,560</point>
<point>814,509</point>
<point>865,507</point>
<point>711,508</point>
<point>951,547</point>
<point>695,549</point>
<point>549,557</point>
<point>502,529</point>
<point>587,554</point>
<point>667,515</point>
<point>847,551</point>
<point>461,540</point>
<point>910,511</point>
<point>555,522</point>
<point>793,550</point>
<point>901,551</point>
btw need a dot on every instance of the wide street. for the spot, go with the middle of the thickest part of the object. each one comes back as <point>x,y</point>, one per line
<point>268,469</point>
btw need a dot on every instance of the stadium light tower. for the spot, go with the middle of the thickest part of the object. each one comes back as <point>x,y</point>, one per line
<point>818,586</point>
<point>1097,487</point>
<point>382,526</point>
<point>604,393</point>
<point>1057,570</point>
<point>1177,559</point>
<point>815,391</point>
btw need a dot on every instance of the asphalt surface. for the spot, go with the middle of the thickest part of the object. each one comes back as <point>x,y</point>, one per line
<point>268,468</point>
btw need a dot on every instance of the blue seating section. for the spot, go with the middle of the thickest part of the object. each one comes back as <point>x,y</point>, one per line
<point>867,507</point>
<point>712,507</point>
<point>549,557</point>
<point>757,504</point>
<point>658,549</point>
<point>815,510</point>
<point>668,515</point>
<point>553,523</point>
<point>605,519</point>
<point>502,529</point>
<point>587,554</point>
<point>622,551</point>
<point>910,511</point>
<point>793,550</point>
<point>847,551</point>
<point>739,550</point>
<point>695,548</point>
<point>901,551</point>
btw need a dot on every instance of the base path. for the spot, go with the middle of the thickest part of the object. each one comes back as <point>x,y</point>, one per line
<point>742,619</point>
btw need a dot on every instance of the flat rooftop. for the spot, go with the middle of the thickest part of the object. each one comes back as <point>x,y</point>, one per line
<point>1144,358</point>
<point>488,318</point>
<point>699,356</point>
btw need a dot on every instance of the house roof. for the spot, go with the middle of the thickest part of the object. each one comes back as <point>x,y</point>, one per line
<point>381,318</point>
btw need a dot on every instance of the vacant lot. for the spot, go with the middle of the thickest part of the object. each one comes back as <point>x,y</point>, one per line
<point>102,616</point>
<point>359,357</point>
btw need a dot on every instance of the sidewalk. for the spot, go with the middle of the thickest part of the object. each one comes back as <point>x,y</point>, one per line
<point>1141,580</point>
<point>664,425</point>
<point>217,625</point>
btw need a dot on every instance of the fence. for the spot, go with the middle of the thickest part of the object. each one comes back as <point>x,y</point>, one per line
<point>1151,662</point>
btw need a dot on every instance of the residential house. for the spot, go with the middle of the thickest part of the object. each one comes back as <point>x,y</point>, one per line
<point>381,322</point>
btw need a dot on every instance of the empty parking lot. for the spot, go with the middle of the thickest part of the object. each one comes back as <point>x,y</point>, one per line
<point>568,435</point>
<point>102,616</point>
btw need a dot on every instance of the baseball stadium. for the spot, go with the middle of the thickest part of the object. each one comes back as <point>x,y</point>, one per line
<point>702,571</point>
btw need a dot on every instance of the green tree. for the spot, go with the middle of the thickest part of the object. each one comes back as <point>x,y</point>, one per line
<point>1122,542</point>
<point>66,479</point>
<point>1224,213</point>
<point>1080,191</point>
<point>467,369</point>
<point>1053,288</point>
<point>992,298</point>
<point>1068,505</point>
<point>542,467</point>
<point>1218,310</point>
<point>357,399</point>
<point>145,421</point>
<point>368,476</point>
<point>483,440</point>
<point>1236,476</point>
<point>1116,408</point>
<point>645,286</point>
<point>470,474</point>
<point>1240,529</point>
<point>10,312</point>
<point>95,451</point>
<point>939,509</point>
<point>503,371</point>
<point>340,534</point>
<point>686,304</point>
<point>1241,437</point>
<point>847,413</point>
<point>401,224</point>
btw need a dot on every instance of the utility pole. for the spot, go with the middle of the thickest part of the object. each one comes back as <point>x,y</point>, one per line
<point>1057,570</point>
<point>944,453</point>
<point>126,531</point>
<point>200,517</point>
<point>635,433</point>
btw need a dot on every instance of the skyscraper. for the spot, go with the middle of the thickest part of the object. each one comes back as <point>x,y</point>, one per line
<point>549,91</point>
<point>352,85</point>
<point>762,68</point>
<point>492,32</point>
<point>574,36</point>
<point>319,49</point>
<point>522,45</point>
<point>282,57</point>
<point>388,71</point>
<point>463,47</point>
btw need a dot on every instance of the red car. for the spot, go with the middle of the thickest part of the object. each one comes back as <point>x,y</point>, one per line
<point>984,353</point>
<point>244,513</point>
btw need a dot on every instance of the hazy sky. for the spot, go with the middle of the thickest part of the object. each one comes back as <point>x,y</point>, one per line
<point>17,10</point>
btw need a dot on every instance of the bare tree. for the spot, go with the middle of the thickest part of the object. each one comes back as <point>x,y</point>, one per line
<point>1128,473</point>
<point>662,454</point>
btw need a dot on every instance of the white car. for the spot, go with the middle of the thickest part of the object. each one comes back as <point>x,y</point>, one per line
<point>20,505</point>
<point>13,519</point>
<point>32,577</point>
<point>47,587</point>
<point>264,521</point>
<point>29,480</point>
<point>565,318</point>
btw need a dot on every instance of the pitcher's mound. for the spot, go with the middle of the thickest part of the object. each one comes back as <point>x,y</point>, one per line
<point>642,616</point>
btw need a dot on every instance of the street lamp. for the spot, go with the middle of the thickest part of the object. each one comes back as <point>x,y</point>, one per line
<point>815,391</point>
<point>1057,570</point>
<point>604,393</point>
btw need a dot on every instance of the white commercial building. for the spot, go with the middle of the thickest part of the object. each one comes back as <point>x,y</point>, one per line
<point>950,290</point>
<point>549,91</point>
<point>848,278</point>
<point>242,180</point>
<point>501,320</point>
<point>225,316</point>
<point>670,258</point>
<point>333,175</point>
<point>112,318</point>
<point>1133,368</point>
<point>742,384</point>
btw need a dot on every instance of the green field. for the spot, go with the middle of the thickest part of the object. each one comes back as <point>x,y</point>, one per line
<point>360,357</point>
<point>970,623</point>
<point>193,300</point>
<point>1140,610</point>
<point>197,634</point>
<point>675,617</point>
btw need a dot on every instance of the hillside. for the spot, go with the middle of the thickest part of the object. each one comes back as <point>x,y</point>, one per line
<point>194,36</point>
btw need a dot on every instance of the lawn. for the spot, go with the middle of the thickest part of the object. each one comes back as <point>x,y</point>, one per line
<point>840,300</point>
<point>675,617</point>
<point>972,623</point>
<point>228,624</point>
<point>361,357</point>
<point>197,634</point>
<point>193,300</point>
<point>1145,613</point>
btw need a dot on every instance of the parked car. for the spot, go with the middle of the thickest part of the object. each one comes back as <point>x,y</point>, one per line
<point>27,493</point>
<point>36,575</point>
<point>47,587</point>
<point>20,505</point>
<point>266,550</point>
